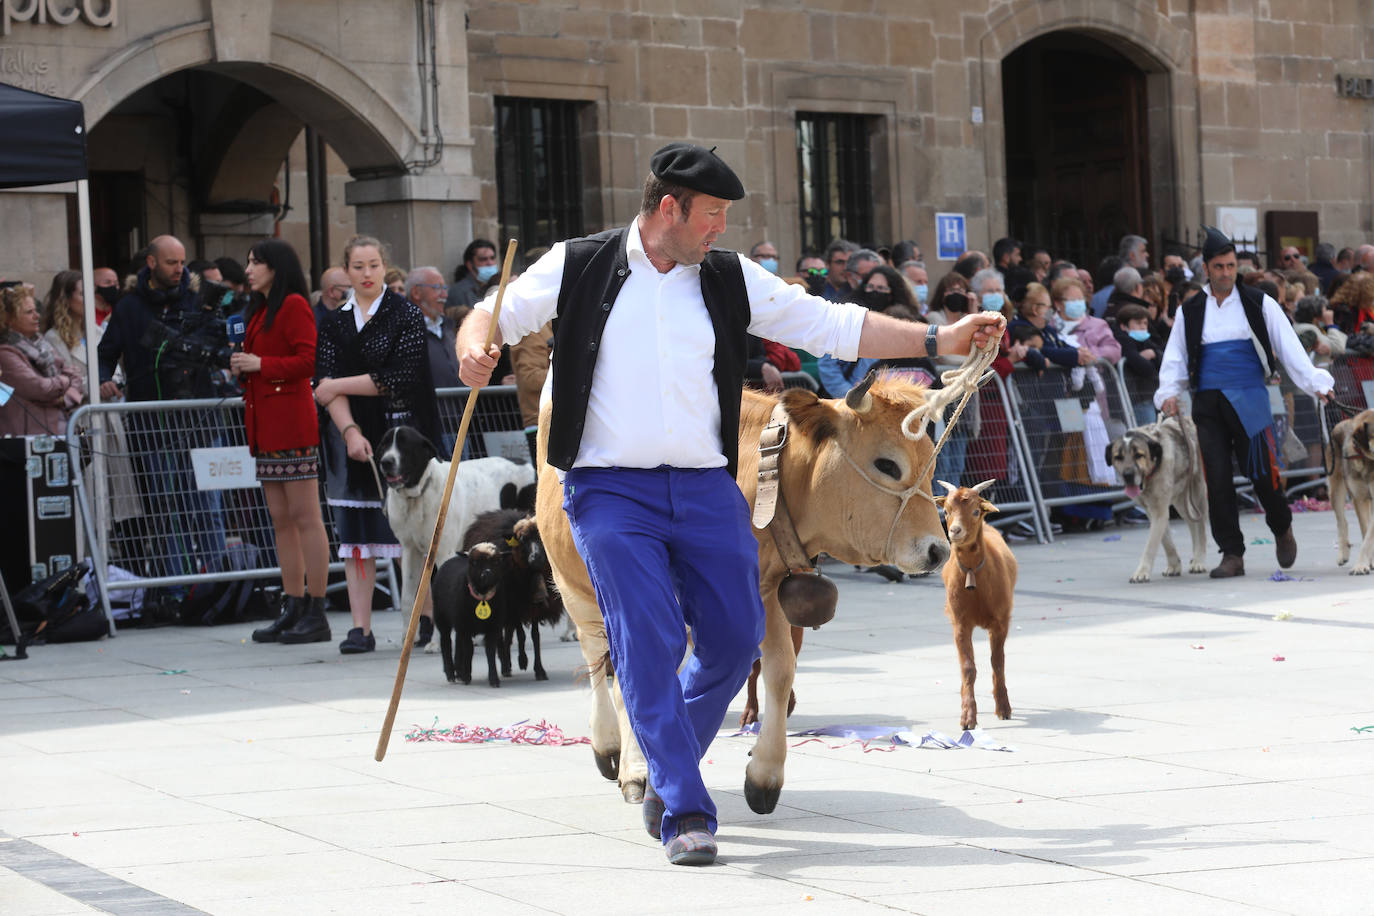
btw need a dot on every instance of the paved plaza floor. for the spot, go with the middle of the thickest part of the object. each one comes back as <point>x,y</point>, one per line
<point>1182,746</point>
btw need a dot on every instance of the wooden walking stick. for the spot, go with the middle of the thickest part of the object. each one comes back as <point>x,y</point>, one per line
<point>423,588</point>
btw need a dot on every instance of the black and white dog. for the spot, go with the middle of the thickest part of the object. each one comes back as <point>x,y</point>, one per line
<point>415,480</point>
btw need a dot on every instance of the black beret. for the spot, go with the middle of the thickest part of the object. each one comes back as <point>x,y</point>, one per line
<point>1215,243</point>
<point>697,168</point>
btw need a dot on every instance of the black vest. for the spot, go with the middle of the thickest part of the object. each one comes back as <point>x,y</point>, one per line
<point>1194,314</point>
<point>594,270</point>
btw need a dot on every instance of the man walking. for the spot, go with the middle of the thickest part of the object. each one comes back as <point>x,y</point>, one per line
<point>1223,348</point>
<point>648,366</point>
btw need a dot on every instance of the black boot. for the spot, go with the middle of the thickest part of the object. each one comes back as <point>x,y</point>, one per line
<point>312,627</point>
<point>291,608</point>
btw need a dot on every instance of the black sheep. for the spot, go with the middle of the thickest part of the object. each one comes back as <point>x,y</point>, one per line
<point>470,600</point>
<point>532,598</point>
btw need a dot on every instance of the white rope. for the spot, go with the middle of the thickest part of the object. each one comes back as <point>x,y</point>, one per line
<point>962,383</point>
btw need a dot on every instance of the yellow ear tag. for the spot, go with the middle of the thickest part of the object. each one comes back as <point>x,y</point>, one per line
<point>483,610</point>
<point>512,541</point>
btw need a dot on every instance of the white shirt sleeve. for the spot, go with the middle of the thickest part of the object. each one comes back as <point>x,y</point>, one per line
<point>788,314</point>
<point>531,299</point>
<point>1289,351</point>
<point>1173,370</point>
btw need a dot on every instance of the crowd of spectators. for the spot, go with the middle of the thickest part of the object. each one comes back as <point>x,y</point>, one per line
<point>1067,325</point>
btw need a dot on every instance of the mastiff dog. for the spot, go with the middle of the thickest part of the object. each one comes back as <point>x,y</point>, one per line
<point>1352,473</point>
<point>1161,466</point>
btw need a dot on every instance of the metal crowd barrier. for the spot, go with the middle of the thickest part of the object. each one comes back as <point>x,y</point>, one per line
<point>168,490</point>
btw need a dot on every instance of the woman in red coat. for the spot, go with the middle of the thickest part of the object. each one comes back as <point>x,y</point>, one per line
<point>277,365</point>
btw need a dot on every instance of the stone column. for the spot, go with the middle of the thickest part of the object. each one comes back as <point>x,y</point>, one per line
<point>423,219</point>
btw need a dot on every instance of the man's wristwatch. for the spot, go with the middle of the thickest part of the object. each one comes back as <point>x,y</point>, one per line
<point>931,345</point>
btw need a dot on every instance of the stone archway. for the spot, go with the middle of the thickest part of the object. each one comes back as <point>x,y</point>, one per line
<point>1137,33</point>
<point>371,135</point>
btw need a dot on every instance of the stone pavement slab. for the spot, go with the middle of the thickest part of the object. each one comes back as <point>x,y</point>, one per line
<point>1164,760</point>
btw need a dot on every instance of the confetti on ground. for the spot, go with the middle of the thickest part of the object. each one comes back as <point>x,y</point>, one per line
<point>1308,504</point>
<point>1112,537</point>
<point>1281,576</point>
<point>1259,541</point>
<point>519,733</point>
<point>1284,615</point>
<point>1197,647</point>
<point>886,738</point>
<point>1361,729</point>
<point>173,671</point>
<point>1279,658</point>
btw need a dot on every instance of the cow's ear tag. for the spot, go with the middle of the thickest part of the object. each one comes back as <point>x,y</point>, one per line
<point>483,610</point>
<point>512,541</point>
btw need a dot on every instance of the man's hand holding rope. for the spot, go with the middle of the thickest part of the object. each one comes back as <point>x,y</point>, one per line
<point>892,338</point>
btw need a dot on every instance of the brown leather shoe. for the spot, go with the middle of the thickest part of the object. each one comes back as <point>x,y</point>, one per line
<point>1231,565</point>
<point>1286,548</point>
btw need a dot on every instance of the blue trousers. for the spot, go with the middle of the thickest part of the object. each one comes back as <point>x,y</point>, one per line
<point>666,548</point>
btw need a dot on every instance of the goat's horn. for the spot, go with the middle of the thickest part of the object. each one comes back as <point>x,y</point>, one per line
<point>858,399</point>
<point>949,487</point>
<point>979,488</point>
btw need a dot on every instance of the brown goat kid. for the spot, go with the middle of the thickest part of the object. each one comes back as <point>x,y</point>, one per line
<point>980,578</point>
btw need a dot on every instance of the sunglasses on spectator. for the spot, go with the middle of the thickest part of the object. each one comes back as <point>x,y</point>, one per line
<point>816,271</point>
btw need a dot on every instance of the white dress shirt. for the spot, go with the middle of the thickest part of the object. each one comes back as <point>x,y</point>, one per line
<point>653,399</point>
<point>1226,320</point>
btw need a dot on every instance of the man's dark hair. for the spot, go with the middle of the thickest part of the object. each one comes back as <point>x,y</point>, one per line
<point>287,278</point>
<point>1015,280</point>
<point>904,251</point>
<point>1343,254</point>
<point>838,245</point>
<point>469,253</point>
<point>1003,247</point>
<point>655,189</point>
<point>968,265</point>
<point>200,265</point>
<point>1106,269</point>
<point>1030,251</point>
<point>231,271</point>
<point>806,255</point>
<point>1250,256</point>
<point>1024,332</point>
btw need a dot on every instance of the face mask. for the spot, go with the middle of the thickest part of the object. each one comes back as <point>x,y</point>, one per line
<point>769,264</point>
<point>877,300</point>
<point>109,293</point>
<point>922,291</point>
<point>1075,309</point>
<point>992,302</point>
<point>1139,336</point>
<point>486,272</point>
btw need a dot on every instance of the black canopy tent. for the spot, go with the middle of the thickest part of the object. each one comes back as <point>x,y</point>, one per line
<point>45,143</point>
<point>45,139</point>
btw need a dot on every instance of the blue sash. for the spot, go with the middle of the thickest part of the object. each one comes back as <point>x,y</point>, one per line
<point>1233,368</point>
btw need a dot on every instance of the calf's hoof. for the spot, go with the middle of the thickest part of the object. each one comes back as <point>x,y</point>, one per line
<point>466,681</point>
<point>761,799</point>
<point>1196,567</point>
<point>540,674</point>
<point>633,792</point>
<point>494,681</point>
<point>1003,712</point>
<point>1173,571</point>
<point>505,671</point>
<point>1140,576</point>
<point>524,662</point>
<point>608,764</point>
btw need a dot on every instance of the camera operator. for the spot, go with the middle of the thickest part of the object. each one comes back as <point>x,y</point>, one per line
<point>172,346</point>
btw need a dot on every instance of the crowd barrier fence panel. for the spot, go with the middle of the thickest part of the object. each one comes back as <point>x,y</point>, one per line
<point>988,442</point>
<point>1068,417</point>
<point>168,488</point>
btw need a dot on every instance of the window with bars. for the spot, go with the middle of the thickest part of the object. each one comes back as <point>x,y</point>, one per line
<point>538,170</point>
<point>835,174</point>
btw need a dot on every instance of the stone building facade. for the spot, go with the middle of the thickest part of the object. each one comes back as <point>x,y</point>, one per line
<point>1065,122</point>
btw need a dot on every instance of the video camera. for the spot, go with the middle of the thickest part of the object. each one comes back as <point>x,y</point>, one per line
<point>191,348</point>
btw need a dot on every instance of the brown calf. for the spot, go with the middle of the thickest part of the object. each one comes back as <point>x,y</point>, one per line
<point>980,577</point>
